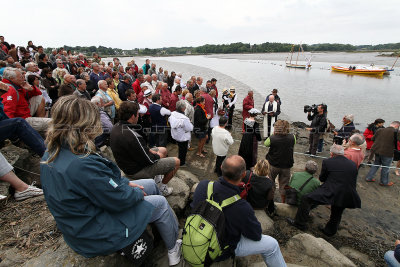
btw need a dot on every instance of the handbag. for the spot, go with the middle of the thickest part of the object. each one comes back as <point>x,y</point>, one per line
<point>291,193</point>
<point>140,249</point>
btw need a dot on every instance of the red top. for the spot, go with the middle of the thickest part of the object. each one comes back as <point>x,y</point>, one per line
<point>248,103</point>
<point>136,87</point>
<point>354,154</point>
<point>16,104</point>
<point>140,97</point>
<point>368,134</point>
<point>166,98</point>
<point>172,103</point>
<point>209,103</point>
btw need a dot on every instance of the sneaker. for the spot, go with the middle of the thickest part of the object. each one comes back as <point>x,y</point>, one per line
<point>158,179</point>
<point>174,255</point>
<point>31,191</point>
<point>165,190</point>
<point>388,184</point>
<point>2,197</point>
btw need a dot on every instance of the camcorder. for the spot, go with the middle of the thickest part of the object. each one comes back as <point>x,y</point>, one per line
<point>313,108</point>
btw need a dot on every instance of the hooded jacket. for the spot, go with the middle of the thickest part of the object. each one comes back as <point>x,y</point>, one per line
<point>180,126</point>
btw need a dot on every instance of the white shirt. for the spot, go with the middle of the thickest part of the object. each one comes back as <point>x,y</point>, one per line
<point>221,140</point>
<point>164,111</point>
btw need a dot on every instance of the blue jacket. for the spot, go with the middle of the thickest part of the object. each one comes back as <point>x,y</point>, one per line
<point>94,207</point>
<point>239,217</point>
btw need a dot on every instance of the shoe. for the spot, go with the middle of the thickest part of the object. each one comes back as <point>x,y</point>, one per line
<point>389,184</point>
<point>158,179</point>
<point>191,148</point>
<point>165,190</point>
<point>319,152</point>
<point>322,229</point>
<point>31,191</point>
<point>174,255</point>
<point>183,165</point>
<point>293,223</point>
<point>307,152</point>
<point>2,197</point>
<point>370,181</point>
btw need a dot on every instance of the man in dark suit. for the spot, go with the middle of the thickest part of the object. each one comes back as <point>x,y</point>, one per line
<point>339,177</point>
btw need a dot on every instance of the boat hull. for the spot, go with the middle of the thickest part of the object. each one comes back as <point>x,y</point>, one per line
<point>359,71</point>
<point>297,66</point>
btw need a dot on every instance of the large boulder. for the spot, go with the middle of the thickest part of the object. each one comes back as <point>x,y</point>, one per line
<point>64,256</point>
<point>267,224</point>
<point>305,249</point>
<point>180,195</point>
<point>357,256</point>
<point>285,210</point>
<point>189,178</point>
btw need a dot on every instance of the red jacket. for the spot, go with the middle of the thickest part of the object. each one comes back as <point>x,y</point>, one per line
<point>140,97</point>
<point>16,104</point>
<point>368,134</point>
<point>172,103</point>
<point>209,103</point>
<point>136,86</point>
<point>166,98</point>
<point>248,103</point>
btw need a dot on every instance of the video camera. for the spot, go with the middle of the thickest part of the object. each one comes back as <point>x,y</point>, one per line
<point>314,108</point>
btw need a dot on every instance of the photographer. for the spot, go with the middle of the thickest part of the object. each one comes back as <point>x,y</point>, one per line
<point>317,127</point>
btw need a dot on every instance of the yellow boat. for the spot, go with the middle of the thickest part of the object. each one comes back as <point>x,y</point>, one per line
<point>362,71</point>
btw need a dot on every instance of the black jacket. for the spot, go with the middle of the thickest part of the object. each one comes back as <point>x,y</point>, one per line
<point>318,122</point>
<point>239,217</point>
<point>339,177</point>
<point>346,130</point>
<point>130,149</point>
<point>200,120</point>
<point>122,87</point>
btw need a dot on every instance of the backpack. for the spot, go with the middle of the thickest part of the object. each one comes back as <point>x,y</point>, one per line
<point>204,230</point>
<point>257,190</point>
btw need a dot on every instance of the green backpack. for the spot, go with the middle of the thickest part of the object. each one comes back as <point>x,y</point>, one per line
<point>204,230</point>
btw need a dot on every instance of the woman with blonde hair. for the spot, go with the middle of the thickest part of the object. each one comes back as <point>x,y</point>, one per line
<point>98,211</point>
<point>280,155</point>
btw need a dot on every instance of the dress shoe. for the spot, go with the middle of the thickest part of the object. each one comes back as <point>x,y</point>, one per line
<point>293,223</point>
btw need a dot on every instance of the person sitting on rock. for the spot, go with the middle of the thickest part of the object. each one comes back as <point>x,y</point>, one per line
<point>300,178</point>
<point>339,177</point>
<point>392,258</point>
<point>243,233</point>
<point>98,211</point>
<point>133,155</point>
<point>22,190</point>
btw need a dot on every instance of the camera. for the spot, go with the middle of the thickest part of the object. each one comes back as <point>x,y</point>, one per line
<point>338,140</point>
<point>313,108</point>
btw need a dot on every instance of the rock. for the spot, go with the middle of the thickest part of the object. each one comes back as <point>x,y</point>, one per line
<point>179,197</point>
<point>250,261</point>
<point>189,178</point>
<point>357,256</point>
<point>11,257</point>
<point>64,256</point>
<point>194,188</point>
<point>285,210</point>
<point>308,250</point>
<point>267,224</point>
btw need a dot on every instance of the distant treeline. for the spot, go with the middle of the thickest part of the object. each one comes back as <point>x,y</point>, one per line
<point>227,49</point>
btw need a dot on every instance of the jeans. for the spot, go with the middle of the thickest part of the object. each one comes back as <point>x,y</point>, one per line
<point>384,161</point>
<point>390,259</point>
<point>19,128</point>
<point>158,139</point>
<point>268,247</point>
<point>314,142</point>
<point>183,147</point>
<point>320,145</point>
<point>163,216</point>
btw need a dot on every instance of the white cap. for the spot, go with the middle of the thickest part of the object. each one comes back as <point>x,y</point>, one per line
<point>142,109</point>
<point>254,111</point>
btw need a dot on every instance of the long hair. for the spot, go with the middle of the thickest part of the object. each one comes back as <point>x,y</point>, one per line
<point>281,127</point>
<point>75,123</point>
<point>262,168</point>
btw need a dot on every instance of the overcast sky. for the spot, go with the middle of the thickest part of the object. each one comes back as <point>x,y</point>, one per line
<point>130,24</point>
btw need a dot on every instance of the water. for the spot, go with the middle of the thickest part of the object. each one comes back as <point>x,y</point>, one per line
<point>368,98</point>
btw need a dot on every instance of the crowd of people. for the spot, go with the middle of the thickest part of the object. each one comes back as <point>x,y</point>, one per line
<point>81,104</point>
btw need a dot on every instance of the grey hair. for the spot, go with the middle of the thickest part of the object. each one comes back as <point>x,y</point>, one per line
<point>357,139</point>
<point>58,60</point>
<point>158,83</point>
<point>153,75</point>
<point>10,73</point>
<point>94,64</point>
<point>395,124</point>
<point>350,117</point>
<point>203,89</point>
<point>100,82</point>
<point>126,77</point>
<point>337,149</point>
<point>30,64</point>
<point>311,167</point>
<point>180,105</point>
<point>83,74</point>
<point>79,82</point>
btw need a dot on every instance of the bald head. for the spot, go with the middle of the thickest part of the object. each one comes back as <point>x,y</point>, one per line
<point>271,98</point>
<point>233,168</point>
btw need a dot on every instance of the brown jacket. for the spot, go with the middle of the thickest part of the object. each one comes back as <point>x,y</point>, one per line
<point>384,142</point>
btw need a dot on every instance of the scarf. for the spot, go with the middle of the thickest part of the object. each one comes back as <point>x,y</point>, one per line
<point>202,107</point>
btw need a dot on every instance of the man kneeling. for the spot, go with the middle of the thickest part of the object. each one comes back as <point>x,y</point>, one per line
<point>243,232</point>
<point>133,155</point>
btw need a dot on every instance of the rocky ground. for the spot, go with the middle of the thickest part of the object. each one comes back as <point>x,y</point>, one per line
<point>29,236</point>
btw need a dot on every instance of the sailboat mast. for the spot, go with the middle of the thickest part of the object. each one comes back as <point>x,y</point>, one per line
<point>395,61</point>
<point>291,54</point>
<point>298,54</point>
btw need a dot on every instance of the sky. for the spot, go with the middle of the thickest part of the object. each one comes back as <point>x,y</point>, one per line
<point>153,24</point>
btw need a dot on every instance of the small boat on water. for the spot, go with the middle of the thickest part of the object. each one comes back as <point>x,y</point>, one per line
<point>359,70</point>
<point>295,65</point>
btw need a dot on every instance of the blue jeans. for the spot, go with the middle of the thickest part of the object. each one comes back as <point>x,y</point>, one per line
<point>268,247</point>
<point>320,145</point>
<point>390,259</point>
<point>384,161</point>
<point>163,216</point>
<point>19,128</point>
